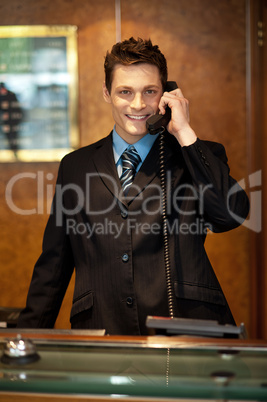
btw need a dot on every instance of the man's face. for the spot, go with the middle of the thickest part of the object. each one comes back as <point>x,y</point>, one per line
<point>135,94</point>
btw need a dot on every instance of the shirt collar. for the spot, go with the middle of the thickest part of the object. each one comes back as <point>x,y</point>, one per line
<point>142,146</point>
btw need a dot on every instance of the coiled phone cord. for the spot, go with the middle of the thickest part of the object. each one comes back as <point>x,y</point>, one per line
<point>165,225</point>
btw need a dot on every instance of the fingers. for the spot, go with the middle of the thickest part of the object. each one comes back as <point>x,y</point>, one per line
<point>179,125</point>
<point>173,99</point>
<point>176,92</point>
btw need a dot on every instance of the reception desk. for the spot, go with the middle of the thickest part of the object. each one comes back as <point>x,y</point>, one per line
<point>77,366</point>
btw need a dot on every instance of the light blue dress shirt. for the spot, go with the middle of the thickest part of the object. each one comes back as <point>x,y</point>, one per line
<point>142,146</point>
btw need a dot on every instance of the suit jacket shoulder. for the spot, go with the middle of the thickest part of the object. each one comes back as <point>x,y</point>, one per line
<point>216,148</point>
<point>86,151</point>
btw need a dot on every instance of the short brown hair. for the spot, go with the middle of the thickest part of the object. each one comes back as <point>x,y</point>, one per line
<point>132,51</point>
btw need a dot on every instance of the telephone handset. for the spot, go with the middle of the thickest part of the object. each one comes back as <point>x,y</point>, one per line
<point>158,123</point>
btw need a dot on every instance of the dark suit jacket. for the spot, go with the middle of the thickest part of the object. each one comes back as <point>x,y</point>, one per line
<point>116,245</point>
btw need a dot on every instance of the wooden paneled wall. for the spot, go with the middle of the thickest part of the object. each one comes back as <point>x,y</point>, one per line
<point>257,142</point>
<point>205,45</point>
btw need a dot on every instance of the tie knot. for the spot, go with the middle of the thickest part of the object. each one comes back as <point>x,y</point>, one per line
<point>130,158</point>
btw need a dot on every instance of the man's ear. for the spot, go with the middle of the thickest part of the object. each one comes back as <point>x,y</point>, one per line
<point>106,93</point>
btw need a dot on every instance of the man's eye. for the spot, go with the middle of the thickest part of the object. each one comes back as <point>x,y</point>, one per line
<point>125,92</point>
<point>150,91</point>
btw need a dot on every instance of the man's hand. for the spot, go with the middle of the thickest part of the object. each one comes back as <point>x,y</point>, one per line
<point>179,124</point>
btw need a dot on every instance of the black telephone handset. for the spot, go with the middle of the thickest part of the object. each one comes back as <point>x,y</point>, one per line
<point>158,123</point>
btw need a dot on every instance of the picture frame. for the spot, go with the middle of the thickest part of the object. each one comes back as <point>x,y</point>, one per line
<point>38,92</point>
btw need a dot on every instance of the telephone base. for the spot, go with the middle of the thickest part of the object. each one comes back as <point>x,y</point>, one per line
<point>194,327</point>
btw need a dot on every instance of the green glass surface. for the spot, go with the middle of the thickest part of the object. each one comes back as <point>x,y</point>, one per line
<point>132,370</point>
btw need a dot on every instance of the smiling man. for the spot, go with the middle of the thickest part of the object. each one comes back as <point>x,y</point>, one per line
<point>134,96</point>
<point>106,219</point>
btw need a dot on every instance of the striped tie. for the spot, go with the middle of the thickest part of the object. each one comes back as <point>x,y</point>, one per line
<point>130,161</point>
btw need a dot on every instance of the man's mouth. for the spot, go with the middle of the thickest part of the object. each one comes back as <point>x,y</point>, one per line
<point>138,117</point>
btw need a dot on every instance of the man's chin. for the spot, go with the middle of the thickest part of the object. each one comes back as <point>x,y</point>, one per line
<point>139,134</point>
<point>138,131</point>
<point>132,133</point>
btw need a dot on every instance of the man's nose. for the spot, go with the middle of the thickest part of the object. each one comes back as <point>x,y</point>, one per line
<point>138,102</point>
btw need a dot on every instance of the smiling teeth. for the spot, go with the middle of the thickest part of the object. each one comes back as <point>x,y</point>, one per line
<point>136,117</point>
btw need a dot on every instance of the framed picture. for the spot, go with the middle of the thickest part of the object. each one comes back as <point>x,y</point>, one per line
<point>38,92</point>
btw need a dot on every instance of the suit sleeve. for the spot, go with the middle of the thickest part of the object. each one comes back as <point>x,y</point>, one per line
<point>52,271</point>
<point>224,204</point>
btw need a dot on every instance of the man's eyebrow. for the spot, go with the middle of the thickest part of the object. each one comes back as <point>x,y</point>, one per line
<point>124,87</point>
<point>152,86</point>
<point>145,87</point>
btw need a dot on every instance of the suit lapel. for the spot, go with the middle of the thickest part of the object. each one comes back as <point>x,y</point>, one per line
<point>151,166</point>
<point>105,166</point>
<point>146,174</point>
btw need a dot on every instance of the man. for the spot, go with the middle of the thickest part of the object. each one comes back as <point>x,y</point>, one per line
<point>10,117</point>
<point>111,230</point>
